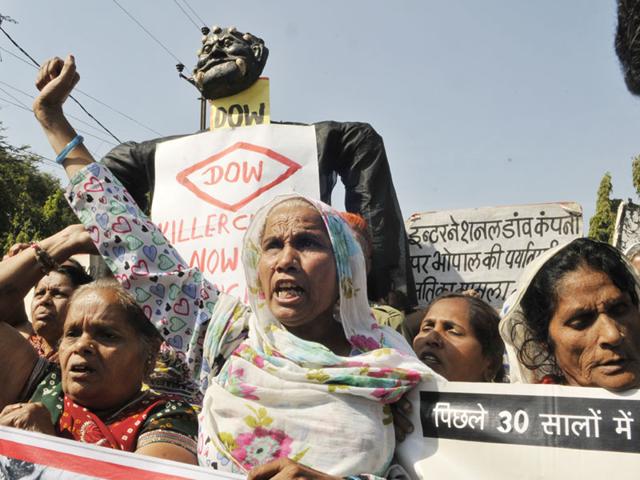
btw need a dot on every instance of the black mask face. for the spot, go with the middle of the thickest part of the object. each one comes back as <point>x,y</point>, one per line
<point>228,62</point>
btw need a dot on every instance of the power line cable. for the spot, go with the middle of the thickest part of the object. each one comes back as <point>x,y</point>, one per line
<point>204,24</point>
<point>70,96</point>
<point>19,104</point>
<point>28,109</point>
<point>147,31</point>
<point>119,112</point>
<point>186,14</point>
<point>16,43</point>
<point>122,114</point>
<point>94,119</point>
<point>27,94</point>
<point>16,104</point>
<point>46,159</point>
<point>38,156</point>
<point>14,98</point>
<point>18,57</point>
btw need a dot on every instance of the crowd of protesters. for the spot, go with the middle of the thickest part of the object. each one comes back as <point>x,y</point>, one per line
<point>155,360</point>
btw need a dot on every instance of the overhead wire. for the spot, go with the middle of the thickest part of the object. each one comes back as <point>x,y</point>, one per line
<point>43,158</point>
<point>151,35</point>
<point>18,57</point>
<point>19,104</point>
<point>24,52</point>
<point>186,14</point>
<point>38,156</point>
<point>122,114</point>
<point>12,87</point>
<point>106,105</point>
<point>70,96</point>
<point>30,152</point>
<point>47,160</point>
<point>27,94</point>
<point>204,24</point>
<point>14,98</point>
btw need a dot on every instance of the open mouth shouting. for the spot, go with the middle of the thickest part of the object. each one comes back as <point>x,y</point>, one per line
<point>288,292</point>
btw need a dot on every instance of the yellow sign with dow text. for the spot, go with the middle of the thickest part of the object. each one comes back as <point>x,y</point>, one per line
<point>249,107</point>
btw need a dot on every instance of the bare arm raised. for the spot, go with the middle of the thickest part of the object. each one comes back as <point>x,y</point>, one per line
<point>56,79</point>
<point>20,272</point>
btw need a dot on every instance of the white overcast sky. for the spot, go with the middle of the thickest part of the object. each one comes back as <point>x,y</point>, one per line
<point>480,103</point>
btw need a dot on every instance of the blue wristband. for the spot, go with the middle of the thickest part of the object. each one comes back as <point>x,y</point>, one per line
<point>78,139</point>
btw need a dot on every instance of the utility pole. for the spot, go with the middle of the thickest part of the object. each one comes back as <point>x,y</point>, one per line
<point>203,101</point>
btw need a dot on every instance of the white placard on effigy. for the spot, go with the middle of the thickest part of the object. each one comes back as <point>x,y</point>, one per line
<point>208,186</point>
<point>485,249</point>
<point>627,230</point>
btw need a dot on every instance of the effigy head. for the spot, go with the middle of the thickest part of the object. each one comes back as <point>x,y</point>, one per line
<point>228,62</point>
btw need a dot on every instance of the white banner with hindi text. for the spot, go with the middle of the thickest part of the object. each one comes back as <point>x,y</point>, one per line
<point>485,249</point>
<point>500,431</point>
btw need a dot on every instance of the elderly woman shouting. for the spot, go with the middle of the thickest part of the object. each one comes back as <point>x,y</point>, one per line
<point>306,350</point>
<point>575,319</point>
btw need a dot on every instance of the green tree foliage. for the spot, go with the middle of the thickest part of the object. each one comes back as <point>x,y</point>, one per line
<point>635,173</point>
<point>603,221</point>
<point>32,204</point>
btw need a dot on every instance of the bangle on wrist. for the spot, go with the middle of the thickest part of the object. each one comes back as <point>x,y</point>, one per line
<point>46,261</point>
<point>77,140</point>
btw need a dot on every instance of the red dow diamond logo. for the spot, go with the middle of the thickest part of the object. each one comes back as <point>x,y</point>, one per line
<point>233,177</point>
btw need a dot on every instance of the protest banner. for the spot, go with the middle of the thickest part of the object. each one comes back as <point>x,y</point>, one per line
<point>209,185</point>
<point>28,455</point>
<point>484,249</point>
<point>489,431</point>
<point>627,230</point>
